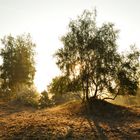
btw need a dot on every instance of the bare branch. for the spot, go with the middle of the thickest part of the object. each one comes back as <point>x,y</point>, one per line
<point>109,98</point>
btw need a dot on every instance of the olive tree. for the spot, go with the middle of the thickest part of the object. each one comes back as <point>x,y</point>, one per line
<point>90,56</point>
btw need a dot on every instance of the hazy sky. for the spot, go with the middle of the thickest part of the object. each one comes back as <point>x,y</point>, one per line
<point>47,21</point>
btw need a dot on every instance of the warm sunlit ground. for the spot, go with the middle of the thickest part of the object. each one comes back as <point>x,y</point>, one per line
<point>69,121</point>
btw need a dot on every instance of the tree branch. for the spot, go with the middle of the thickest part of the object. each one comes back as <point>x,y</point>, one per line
<point>109,98</point>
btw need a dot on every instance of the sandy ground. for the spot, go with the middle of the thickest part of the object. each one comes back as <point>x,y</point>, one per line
<point>69,121</point>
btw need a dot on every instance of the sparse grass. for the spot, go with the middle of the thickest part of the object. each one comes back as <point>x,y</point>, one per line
<point>69,121</point>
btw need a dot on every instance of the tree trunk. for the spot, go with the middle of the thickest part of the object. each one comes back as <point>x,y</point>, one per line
<point>87,89</point>
<point>83,91</point>
<point>95,93</point>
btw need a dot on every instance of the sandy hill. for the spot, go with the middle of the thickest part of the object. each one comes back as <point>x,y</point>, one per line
<point>70,121</point>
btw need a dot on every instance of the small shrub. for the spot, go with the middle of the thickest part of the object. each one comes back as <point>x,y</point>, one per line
<point>27,96</point>
<point>45,101</point>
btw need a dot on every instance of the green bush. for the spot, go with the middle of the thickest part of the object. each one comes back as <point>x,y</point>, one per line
<point>27,96</point>
<point>44,100</point>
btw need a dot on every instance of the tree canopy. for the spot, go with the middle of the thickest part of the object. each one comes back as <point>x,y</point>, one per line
<point>18,65</point>
<point>90,56</point>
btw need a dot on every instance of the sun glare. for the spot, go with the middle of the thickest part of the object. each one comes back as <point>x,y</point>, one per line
<point>45,71</point>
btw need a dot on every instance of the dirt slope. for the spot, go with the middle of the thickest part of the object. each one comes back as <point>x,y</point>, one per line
<point>68,121</point>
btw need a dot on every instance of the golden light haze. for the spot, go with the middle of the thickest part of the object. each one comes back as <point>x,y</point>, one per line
<point>47,21</point>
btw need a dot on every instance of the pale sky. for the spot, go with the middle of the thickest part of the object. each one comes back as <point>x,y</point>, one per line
<point>47,21</point>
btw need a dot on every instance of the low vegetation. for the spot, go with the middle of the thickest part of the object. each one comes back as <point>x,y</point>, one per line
<point>70,121</point>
